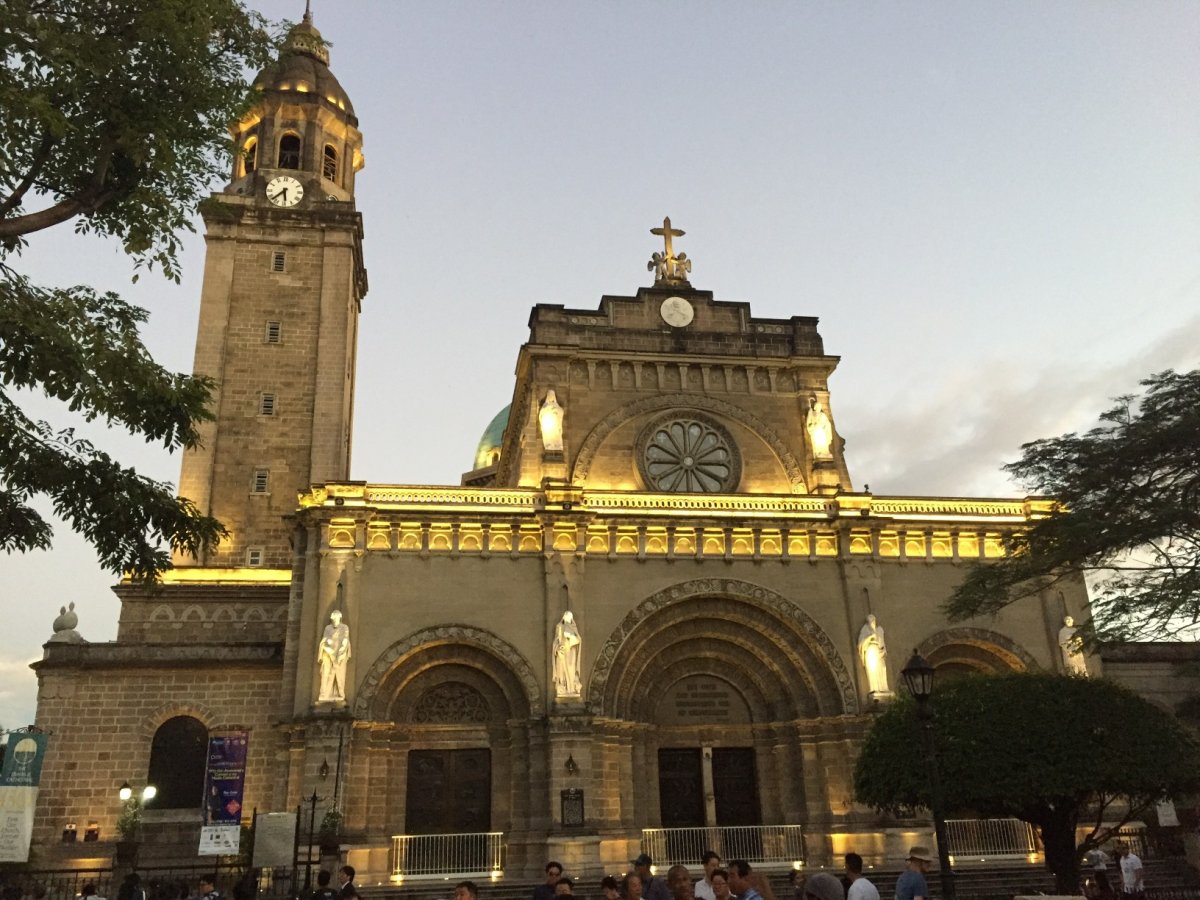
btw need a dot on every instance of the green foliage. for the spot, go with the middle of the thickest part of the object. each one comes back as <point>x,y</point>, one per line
<point>115,114</point>
<point>116,111</point>
<point>1052,750</point>
<point>1129,491</point>
<point>331,825</point>
<point>130,819</point>
<point>82,348</point>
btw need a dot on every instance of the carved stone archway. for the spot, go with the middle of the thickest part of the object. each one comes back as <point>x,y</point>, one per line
<point>504,653</point>
<point>977,648</point>
<point>595,438</point>
<point>800,672</point>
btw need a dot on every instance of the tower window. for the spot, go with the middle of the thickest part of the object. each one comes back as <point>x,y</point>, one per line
<point>250,156</point>
<point>266,404</point>
<point>262,481</point>
<point>329,164</point>
<point>278,261</point>
<point>274,333</point>
<point>254,556</point>
<point>289,152</point>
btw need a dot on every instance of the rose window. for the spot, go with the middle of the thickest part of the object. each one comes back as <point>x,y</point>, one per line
<point>690,455</point>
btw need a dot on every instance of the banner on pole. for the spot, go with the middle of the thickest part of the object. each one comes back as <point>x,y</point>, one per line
<point>18,793</point>
<point>225,778</point>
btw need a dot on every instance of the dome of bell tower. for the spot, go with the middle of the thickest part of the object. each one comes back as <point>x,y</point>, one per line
<point>303,67</point>
<point>302,126</point>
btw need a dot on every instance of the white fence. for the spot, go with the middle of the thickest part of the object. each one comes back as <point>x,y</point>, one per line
<point>974,840</point>
<point>760,845</point>
<point>417,856</point>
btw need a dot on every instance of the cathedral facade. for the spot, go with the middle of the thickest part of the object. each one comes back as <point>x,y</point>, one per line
<point>656,603</point>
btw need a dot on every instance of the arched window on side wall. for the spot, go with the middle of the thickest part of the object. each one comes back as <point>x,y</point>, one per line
<point>329,164</point>
<point>289,151</point>
<point>178,759</point>
<point>250,156</point>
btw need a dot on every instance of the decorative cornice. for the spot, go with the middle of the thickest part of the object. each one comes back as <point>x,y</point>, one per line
<point>156,655</point>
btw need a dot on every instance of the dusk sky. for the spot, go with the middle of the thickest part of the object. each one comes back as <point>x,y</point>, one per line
<point>992,207</point>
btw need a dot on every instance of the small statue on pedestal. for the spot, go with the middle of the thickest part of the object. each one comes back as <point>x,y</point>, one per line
<point>333,655</point>
<point>568,644</point>
<point>872,650</point>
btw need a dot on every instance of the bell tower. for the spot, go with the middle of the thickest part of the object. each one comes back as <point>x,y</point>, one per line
<point>283,285</point>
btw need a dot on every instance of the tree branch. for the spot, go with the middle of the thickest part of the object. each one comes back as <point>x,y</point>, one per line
<point>89,199</point>
<point>40,157</point>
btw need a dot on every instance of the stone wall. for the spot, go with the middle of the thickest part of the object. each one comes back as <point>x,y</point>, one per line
<point>101,705</point>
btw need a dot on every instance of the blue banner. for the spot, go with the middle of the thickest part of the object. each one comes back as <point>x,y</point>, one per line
<point>19,779</point>
<point>226,777</point>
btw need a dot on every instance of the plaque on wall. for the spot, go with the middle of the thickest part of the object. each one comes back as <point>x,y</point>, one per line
<point>702,700</point>
<point>572,808</point>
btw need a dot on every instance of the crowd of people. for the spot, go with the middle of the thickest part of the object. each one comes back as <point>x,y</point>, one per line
<point>736,880</point>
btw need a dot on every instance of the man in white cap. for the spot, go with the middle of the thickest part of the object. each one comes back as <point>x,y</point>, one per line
<point>911,884</point>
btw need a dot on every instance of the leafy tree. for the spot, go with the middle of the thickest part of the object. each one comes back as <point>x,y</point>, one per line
<point>1053,750</point>
<point>1129,517</point>
<point>114,117</point>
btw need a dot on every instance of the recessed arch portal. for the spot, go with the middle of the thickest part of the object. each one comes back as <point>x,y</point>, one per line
<point>962,651</point>
<point>779,662</point>
<point>460,654</point>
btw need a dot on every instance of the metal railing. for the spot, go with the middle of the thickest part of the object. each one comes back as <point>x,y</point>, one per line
<point>416,856</point>
<point>760,845</point>
<point>990,839</point>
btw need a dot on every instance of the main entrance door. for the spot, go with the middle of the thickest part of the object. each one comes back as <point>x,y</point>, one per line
<point>449,791</point>
<point>706,787</point>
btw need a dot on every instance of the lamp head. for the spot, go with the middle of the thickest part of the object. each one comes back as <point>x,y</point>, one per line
<point>149,792</point>
<point>918,676</point>
<point>125,792</point>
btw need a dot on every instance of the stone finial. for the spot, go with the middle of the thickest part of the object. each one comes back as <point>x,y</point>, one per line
<point>64,627</point>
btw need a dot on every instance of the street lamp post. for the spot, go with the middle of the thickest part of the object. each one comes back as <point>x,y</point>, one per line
<point>312,824</point>
<point>918,676</point>
<point>130,820</point>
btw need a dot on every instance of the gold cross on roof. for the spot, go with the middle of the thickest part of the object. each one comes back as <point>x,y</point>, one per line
<point>667,233</point>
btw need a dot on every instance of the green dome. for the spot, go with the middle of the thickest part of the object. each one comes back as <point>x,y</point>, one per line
<point>488,451</point>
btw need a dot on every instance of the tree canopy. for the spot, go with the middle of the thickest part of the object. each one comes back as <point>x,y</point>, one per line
<point>1053,750</point>
<point>1128,517</point>
<point>115,116</point>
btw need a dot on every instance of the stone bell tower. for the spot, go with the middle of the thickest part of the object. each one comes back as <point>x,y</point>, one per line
<point>283,285</point>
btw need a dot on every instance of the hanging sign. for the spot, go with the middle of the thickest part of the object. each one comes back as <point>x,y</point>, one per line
<point>19,779</point>
<point>225,778</point>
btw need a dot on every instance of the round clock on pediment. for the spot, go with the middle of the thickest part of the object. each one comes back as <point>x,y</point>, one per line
<point>677,312</point>
<point>688,452</point>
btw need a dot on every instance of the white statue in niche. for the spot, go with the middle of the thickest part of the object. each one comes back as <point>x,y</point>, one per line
<point>1072,648</point>
<point>873,652</point>
<point>820,430</point>
<point>550,420</point>
<point>568,646</point>
<point>333,655</point>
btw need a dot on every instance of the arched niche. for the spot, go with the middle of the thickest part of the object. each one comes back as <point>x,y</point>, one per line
<point>178,760</point>
<point>760,643</point>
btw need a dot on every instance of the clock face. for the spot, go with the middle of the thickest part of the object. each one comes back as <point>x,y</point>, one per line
<point>677,312</point>
<point>285,191</point>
